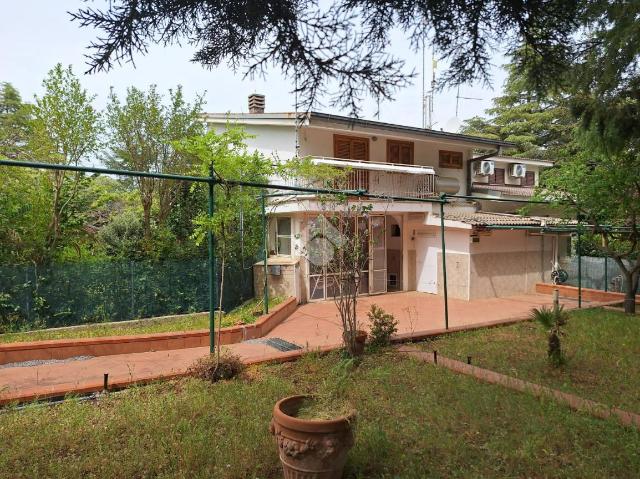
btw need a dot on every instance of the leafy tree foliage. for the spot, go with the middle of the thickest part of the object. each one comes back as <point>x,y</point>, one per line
<point>605,191</point>
<point>14,121</point>
<point>343,44</point>
<point>141,132</point>
<point>64,131</point>
<point>237,216</point>
<point>538,124</point>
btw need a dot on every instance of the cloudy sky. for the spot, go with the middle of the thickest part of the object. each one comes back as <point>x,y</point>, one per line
<point>37,34</point>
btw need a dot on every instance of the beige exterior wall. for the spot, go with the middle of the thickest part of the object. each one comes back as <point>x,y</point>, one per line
<point>458,286</point>
<point>288,283</point>
<point>508,263</point>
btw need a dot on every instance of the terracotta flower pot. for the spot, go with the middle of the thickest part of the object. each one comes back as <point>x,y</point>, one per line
<point>310,449</point>
<point>360,340</point>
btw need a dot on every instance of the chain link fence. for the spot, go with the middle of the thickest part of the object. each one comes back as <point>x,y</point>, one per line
<point>594,274</point>
<point>34,297</point>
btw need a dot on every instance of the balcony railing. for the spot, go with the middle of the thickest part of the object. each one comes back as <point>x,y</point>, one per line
<point>387,179</point>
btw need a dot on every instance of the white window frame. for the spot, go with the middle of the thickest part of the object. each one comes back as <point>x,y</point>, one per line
<point>289,236</point>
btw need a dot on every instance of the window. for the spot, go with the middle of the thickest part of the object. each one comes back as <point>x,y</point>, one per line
<point>529,179</point>
<point>400,152</point>
<point>351,147</point>
<point>450,159</point>
<point>283,236</point>
<point>498,177</point>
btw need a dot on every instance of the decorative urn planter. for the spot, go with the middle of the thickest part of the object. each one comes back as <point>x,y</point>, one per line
<point>361,339</point>
<point>310,448</point>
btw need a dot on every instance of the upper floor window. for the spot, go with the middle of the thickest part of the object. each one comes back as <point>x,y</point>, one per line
<point>283,236</point>
<point>400,152</point>
<point>351,147</point>
<point>450,159</point>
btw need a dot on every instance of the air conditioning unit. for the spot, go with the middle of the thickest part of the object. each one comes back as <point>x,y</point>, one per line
<point>517,170</point>
<point>483,168</point>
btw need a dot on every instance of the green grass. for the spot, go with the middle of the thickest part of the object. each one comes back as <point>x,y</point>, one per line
<point>602,349</point>
<point>243,314</point>
<point>414,421</point>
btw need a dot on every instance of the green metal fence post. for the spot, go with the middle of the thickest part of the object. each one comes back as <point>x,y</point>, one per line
<point>212,269</point>
<point>266,252</point>
<point>606,274</point>
<point>579,248</point>
<point>444,263</point>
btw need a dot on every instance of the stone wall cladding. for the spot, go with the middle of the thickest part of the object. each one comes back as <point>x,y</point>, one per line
<point>283,285</point>
<point>495,275</point>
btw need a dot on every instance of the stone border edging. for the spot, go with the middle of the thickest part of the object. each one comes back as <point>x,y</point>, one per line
<point>112,345</point>
<point>588,294</point>
<point>577,403</point>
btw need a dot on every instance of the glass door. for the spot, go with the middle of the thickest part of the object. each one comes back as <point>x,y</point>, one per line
<point>378,260</point>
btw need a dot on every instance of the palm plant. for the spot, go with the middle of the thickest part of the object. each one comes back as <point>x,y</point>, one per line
<point>552,319</point>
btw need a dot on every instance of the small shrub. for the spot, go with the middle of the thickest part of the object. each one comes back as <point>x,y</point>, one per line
<point>383,325</point>
<point>552,319</point>
<point>207,369</point>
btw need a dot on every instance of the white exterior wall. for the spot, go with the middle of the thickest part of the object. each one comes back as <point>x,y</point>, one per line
<point>270,140</point>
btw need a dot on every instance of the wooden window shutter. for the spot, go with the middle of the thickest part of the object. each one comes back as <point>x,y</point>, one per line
<point>450,159</point>
<point>406,154</point>
<point>393,152</point>
<point>498,177</point>
<point>359,149</point>
<point>529,179</point>
<point>351,148</point>
<point>400,152</point>
<point>341,148</point>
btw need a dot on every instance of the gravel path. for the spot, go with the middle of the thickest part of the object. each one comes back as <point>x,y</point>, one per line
<point>42,362</point>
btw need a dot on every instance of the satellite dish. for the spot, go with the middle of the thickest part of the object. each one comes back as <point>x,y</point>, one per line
<point>453,125</point>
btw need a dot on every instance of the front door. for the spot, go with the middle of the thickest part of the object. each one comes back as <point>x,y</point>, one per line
<point>373,279</point>
<point>378,258</point>
<point>427,262</point>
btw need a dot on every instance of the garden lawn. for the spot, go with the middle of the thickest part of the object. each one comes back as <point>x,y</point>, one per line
<point>415,420</point>
<point>243,314</point>
<point>602,349</point>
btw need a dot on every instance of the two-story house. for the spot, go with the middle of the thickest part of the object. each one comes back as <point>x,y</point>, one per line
<point>484,258</point>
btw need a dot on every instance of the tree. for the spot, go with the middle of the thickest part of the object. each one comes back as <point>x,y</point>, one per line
<point>343,44</point>
<point>25,205</point>
<point>605,191</point>
<point>14,122</point>
<point>142,132</point>
<point>226,155</point>
<point>538,124</point>
<point>64,131</point>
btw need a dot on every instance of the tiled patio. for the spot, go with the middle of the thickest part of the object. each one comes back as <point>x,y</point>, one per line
<point>311,326</point>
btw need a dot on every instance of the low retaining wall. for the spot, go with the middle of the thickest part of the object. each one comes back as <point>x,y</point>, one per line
<point>588,294</point>
<point>110,345</point>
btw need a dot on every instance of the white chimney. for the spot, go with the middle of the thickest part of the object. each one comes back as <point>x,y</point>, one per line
<point>256,103</point>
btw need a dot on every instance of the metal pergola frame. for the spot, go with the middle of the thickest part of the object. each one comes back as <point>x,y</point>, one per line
<point>212,180</point>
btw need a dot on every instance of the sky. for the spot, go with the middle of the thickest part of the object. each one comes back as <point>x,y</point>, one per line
<point>37,34</point>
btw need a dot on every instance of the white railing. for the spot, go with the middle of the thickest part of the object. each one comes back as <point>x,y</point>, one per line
<point>386,179</point>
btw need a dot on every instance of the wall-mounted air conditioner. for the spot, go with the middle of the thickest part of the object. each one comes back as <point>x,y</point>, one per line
<point>517,170</point>
<point>483,168</point>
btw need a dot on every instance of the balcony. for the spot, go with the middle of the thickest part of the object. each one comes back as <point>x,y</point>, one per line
<point>386,179</point>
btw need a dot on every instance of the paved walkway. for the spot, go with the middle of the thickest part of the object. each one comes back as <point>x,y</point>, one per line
<point>312,326</point>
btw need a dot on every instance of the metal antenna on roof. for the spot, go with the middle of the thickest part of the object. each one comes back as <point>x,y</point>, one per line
<point>295,106</point>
